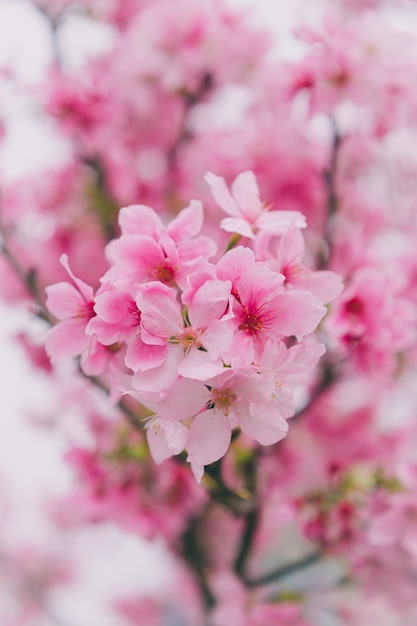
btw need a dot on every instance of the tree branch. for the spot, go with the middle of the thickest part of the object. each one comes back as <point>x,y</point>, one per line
<point>285,570</point>
<point>252,516</point>
<point>332,200</point>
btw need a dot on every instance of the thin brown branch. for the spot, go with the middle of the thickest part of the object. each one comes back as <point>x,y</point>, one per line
<point>285,570</point>
<point>330,175</point>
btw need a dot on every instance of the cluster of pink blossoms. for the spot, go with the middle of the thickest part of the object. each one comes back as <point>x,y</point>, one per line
<point>208,343</point>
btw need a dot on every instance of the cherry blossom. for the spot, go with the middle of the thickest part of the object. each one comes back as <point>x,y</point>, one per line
<point>248,213</point>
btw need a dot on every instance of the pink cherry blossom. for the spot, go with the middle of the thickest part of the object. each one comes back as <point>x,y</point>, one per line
<point>248,213</point>
<point>72,303</point>
<point>163,323</point>
<point>147,251</point>
<point>263,310</point>
<point>231,399</point>
<point>324,284</point>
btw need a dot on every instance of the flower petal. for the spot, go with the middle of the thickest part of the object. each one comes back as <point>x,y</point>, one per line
<point>246,193</point>
<point>160,311</point>
<point>66,340</point>
<point>208,440</point>
<point>209,302</point>
<point>64,300</point>
<point>237,225</point>
<point>262,422</point>
<point>188,222</point>
<point>221,194</point>
<point>165,438</point>
<point>298,313</point>
<point>184,399</point>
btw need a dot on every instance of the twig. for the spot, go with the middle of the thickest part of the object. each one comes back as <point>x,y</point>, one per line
<point>54,24</point>
<point>251,518</point>
<point>192,554</point>
<point>185,134</point>
<point>28,278</point>
<point>239,504</point>
<point>285,570</point>
<point>106,207</point>
<point>332,200</point>
<point>131,416</point>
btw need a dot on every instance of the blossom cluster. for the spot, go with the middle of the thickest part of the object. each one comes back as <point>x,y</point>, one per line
<point>208,343</point>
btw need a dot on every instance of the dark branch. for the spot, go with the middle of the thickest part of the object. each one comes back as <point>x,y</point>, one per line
<point>285,570</point>
<point>27,278</point>
<point>332,199</point>
<point>251,518</point>
<point>193,555</point>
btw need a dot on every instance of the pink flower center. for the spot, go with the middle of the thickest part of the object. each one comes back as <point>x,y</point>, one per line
<point>165,273</point>
<point>255,320</point>
<point>86,311</point>
<point>251,324</point>
<point>354,306</point>
<point>187,339</point>
<point>223,399</point>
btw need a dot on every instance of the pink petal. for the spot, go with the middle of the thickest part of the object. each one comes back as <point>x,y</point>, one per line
<point>325,285</point>
<point>85,290</point>
<point>298,313</point>
<point>184,399</point>
<point>66,340</point>
<point>161,377</point>
<point>221,194</point>
<point>193,249</point>
<point>237,225</point>
<point>165,439</point>
<point>142,356</point>
<point>152,340</point>
<point>252,386</point>
<point>169,249</point>
<point>106,333</point>
<point>95,359</point>
<point>138,256</point>
<point>208,440</point>
<point>160,310</point>
<point>246,193</point>
<point>198,365</point>
<point>291,248</point>
<point>259,285</point>
<point>241,352</point>
<point>112,306</point>
<point>64,300</point>
<point>209,303</point>
<point>188,223</point>
<point>300,358</point>
<point>139,219</point>
<point>235,263</point>
<point>278,222</point>
<point>262,422</point>
<point>158,443</point>
<point>218,337</point>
